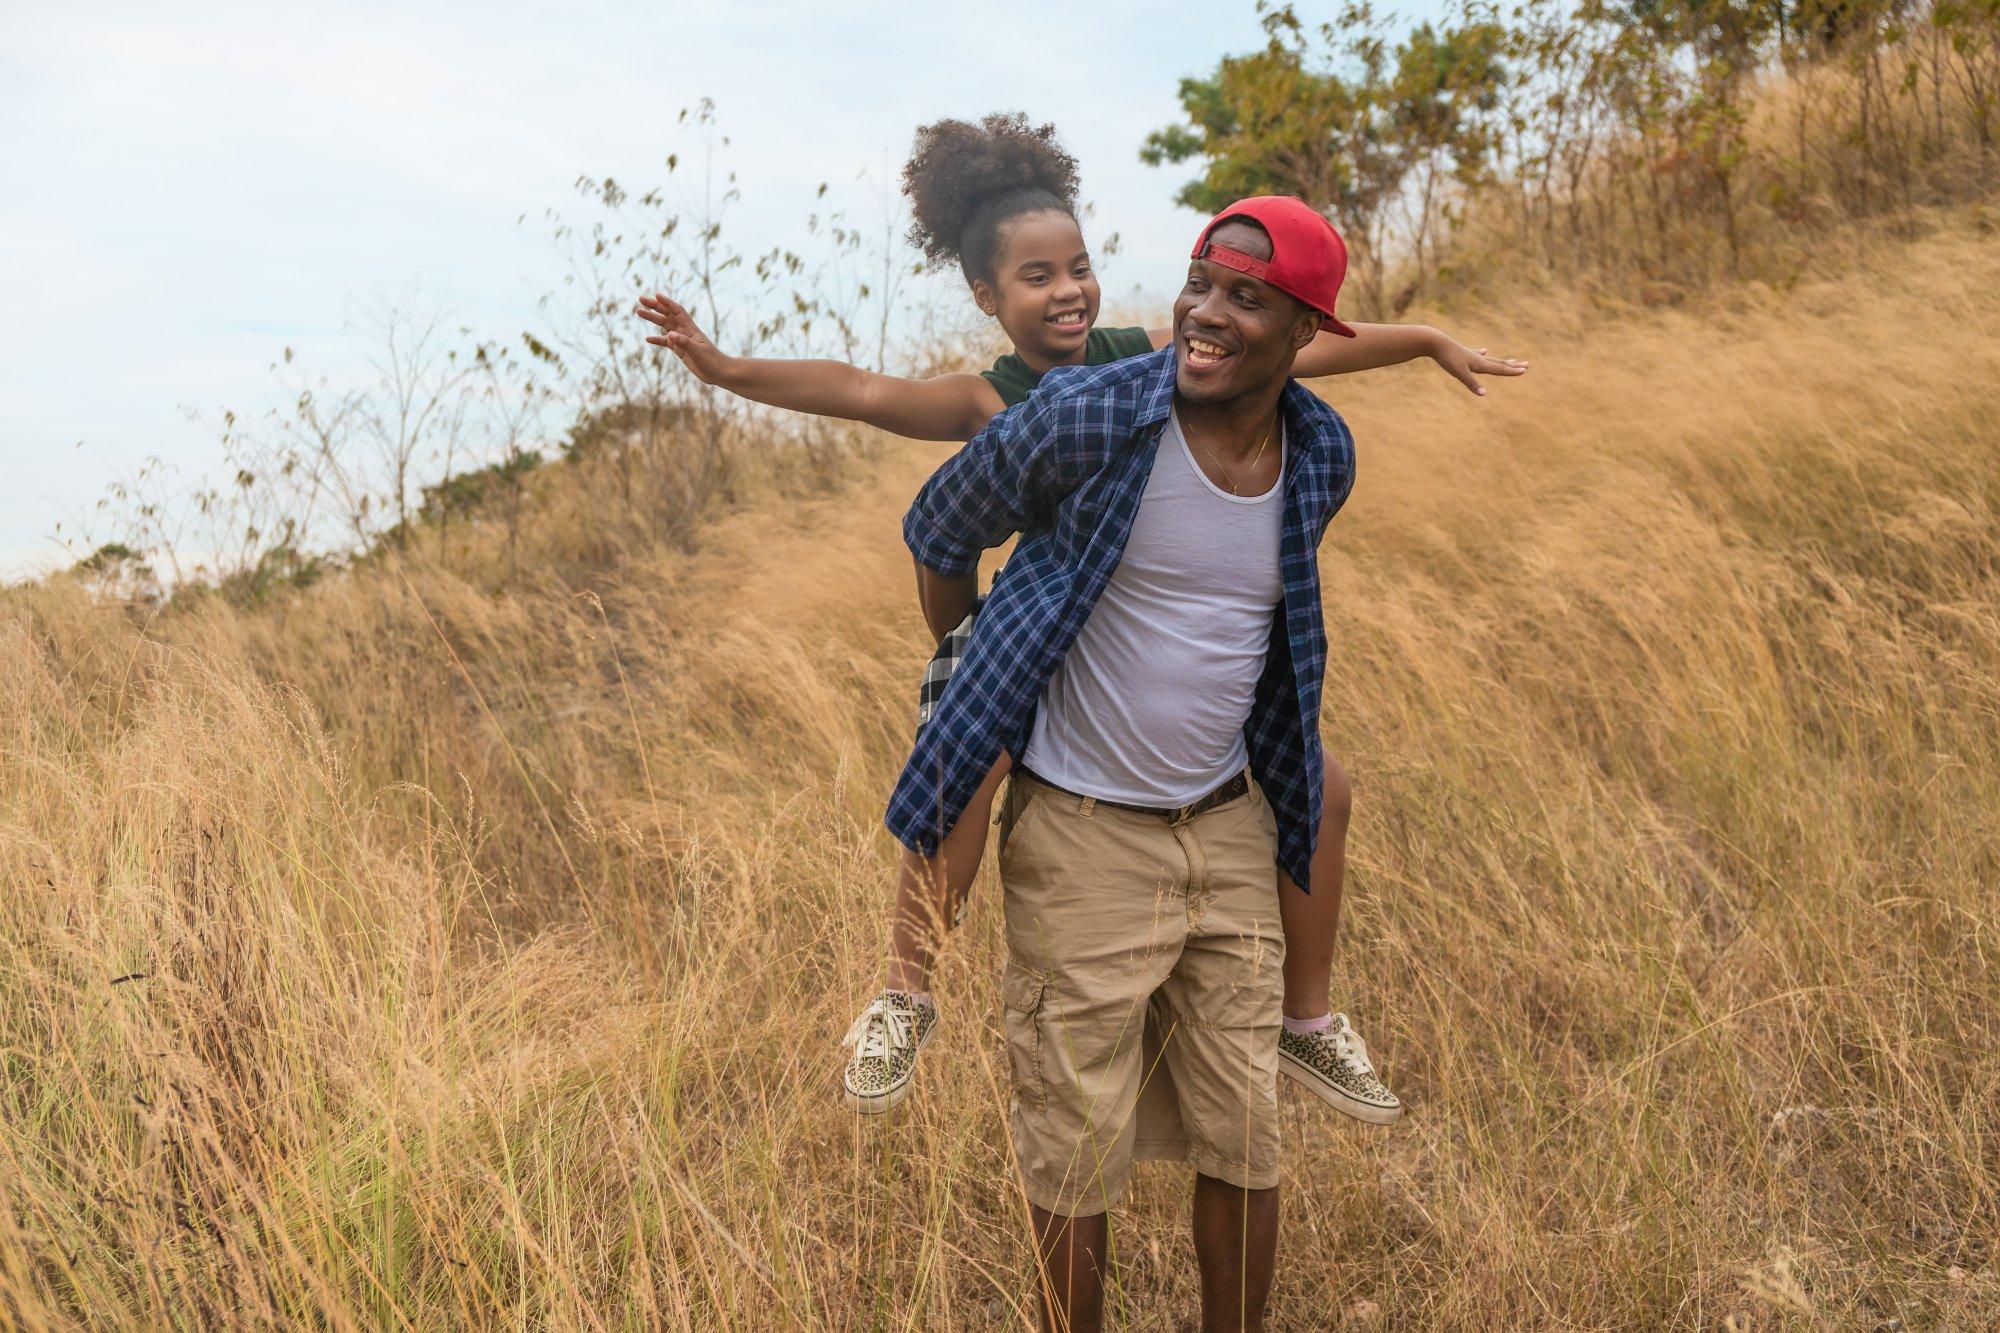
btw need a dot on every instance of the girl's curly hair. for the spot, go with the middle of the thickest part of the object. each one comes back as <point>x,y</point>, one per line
<point>966,182</point>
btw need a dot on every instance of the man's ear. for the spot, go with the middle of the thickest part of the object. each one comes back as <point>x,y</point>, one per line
<point>1308,327</point>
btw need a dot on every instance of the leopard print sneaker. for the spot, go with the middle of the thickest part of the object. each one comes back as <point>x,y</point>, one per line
<point>885,1041</point>
<point>1333,1064</point>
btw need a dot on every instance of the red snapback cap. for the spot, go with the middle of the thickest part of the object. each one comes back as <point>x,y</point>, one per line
<point>1308,258</point>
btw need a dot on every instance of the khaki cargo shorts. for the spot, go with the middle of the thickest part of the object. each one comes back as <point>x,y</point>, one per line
<point>1142,992</point>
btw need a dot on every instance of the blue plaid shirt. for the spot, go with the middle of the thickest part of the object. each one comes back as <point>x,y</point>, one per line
<point>1066,470</point>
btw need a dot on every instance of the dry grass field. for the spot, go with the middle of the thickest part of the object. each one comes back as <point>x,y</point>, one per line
<point>429,952</point>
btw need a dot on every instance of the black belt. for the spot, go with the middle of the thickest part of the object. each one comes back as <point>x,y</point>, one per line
<point>1173,814</point>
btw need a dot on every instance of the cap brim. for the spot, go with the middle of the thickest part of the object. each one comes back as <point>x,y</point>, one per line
<point>1336,325</point>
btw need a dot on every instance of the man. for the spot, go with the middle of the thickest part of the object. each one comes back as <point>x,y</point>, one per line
<point>1152,655</point>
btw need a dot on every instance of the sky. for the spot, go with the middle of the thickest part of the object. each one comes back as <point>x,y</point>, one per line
<point>189,189</point>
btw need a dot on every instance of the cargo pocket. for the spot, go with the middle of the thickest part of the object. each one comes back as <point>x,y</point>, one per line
<point>1021,993</point>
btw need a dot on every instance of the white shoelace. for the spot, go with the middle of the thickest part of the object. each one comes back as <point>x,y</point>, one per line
<point>1348,1045</point>
<point>881,1030</point>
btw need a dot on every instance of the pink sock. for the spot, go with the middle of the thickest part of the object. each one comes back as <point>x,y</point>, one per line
<point>1305,1027</point>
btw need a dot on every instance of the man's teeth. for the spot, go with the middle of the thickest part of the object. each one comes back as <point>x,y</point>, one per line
<point>1206,351</point>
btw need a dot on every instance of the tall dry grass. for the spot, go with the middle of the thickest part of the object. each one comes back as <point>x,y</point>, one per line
<point>433,951</point>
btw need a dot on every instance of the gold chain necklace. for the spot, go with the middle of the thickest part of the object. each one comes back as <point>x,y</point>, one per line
<point>1255,459</point>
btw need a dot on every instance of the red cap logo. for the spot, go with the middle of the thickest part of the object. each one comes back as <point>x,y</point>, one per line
<point>1308,258</point>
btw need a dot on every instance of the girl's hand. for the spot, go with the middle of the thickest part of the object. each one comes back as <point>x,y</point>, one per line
<point>1465,364</point>
<point>680,335</point>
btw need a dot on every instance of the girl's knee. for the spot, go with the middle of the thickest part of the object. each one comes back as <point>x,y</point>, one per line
<point>1336,795</point>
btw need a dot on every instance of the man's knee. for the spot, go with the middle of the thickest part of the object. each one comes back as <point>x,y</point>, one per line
<point>1086,1231</point>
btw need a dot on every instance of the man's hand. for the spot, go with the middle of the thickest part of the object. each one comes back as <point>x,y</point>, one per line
<point>1466,364</point>
<point>680,335</point>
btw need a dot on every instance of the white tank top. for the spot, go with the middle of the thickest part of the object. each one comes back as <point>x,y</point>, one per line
<point>1149,705</point>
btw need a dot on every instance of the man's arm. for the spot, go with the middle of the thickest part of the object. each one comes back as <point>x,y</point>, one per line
<point>945,600</point>
<point>981,496</point>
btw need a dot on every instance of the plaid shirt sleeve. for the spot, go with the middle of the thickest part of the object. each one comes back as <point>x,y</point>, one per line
<point>984,493</point>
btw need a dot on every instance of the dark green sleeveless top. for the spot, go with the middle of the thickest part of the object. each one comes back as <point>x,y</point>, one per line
<point>1015,380</point>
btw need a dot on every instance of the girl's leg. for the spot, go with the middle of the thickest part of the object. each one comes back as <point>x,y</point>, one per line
<point>1311,919</point>
<point>929,890</point>
<point>891,1031</point>
<point>1325,1056</point>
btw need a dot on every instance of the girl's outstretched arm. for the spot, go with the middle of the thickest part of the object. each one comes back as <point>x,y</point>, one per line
<point>1377,345</point>
<point>946,407</point>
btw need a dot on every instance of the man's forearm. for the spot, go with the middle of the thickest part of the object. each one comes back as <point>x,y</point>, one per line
<point>977,499</point>
<point>945,600</point>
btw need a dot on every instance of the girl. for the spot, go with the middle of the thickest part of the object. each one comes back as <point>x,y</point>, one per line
<point>999,200</point>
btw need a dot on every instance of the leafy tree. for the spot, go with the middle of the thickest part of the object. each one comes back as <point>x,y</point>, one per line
<point>1363,131</point>
<point>1442,100</point>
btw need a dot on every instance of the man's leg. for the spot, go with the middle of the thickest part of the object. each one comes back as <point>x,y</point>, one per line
<point>1224,998</point>
<point>1236,1246</point>
<point>1096,906</point>
<point>1072,1253</point>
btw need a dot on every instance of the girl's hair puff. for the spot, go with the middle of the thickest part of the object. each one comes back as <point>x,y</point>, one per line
<point>966,182</point>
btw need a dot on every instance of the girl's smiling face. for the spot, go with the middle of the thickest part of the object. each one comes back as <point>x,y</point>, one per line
<point>1043,290</point>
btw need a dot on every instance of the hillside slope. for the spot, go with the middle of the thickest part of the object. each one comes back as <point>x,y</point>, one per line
<point>418,955</point>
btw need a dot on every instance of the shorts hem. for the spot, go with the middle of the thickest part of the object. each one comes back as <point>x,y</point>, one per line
<point>1094,1203</point>
<point>1233,1173</point>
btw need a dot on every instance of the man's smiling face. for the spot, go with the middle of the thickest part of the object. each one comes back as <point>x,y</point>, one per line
<point>1234,333</point>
